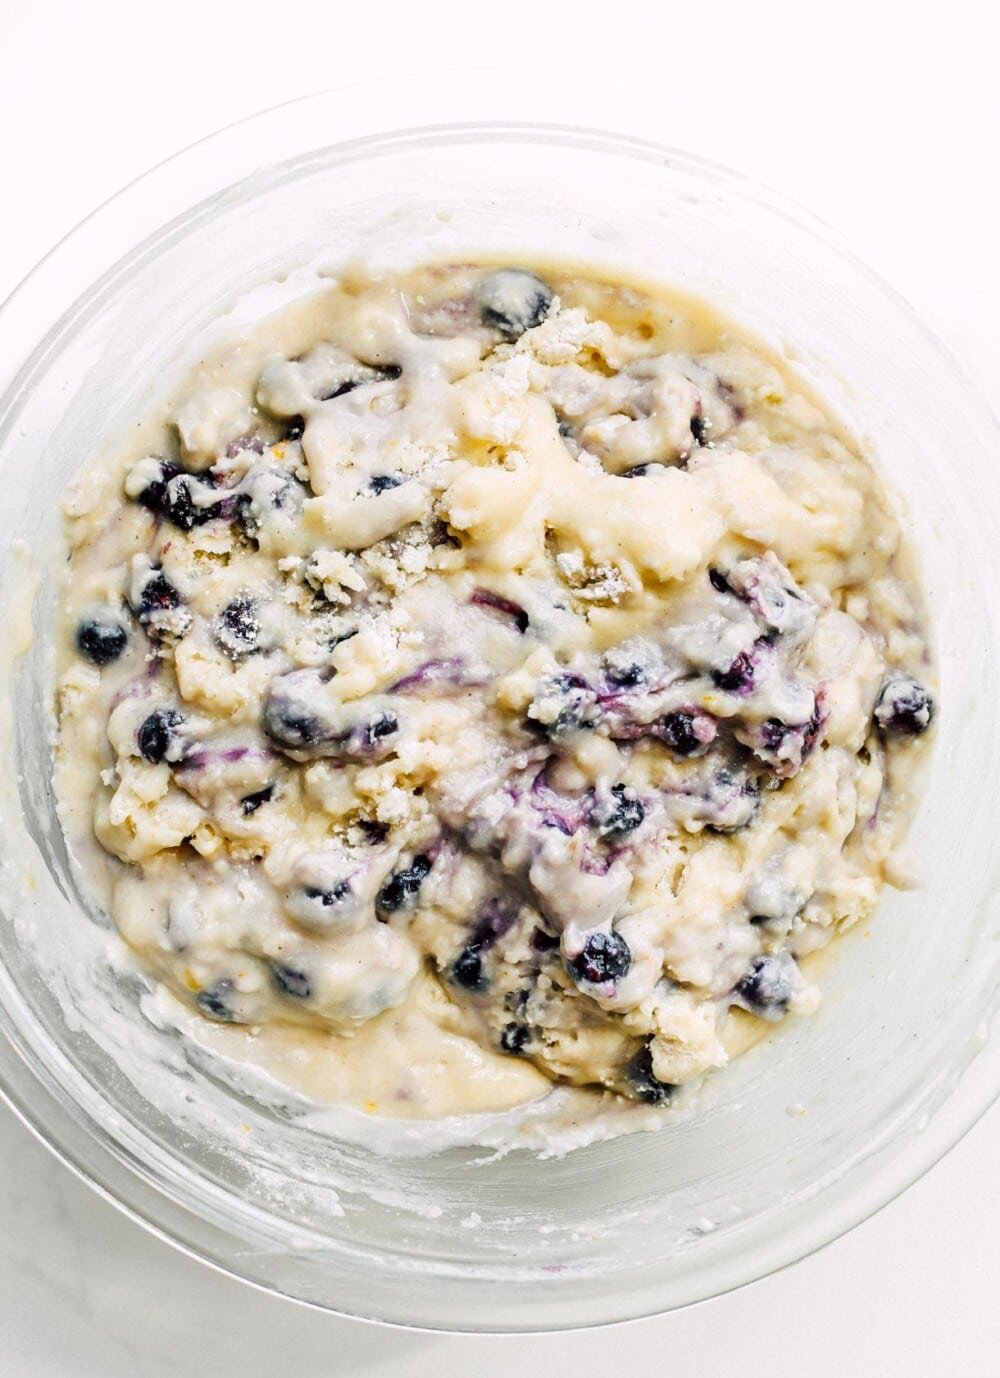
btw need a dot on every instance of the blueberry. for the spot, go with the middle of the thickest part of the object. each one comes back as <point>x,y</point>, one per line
<point>250,803</point>
<point>564,703</point>
<point>623,816</point>
<point>767,988</point>
<point>386,374</point>
<point>291,981</point>
<point>157,737</point>
<point>237,628</point>
<point>904,707</point>
<point>677,732</point>
<point>295,429</point>
<point>637,471</point>
<point>328,898</point>
<point>288,718</point>
<point>605,957</point>
<point>515,1037</point>
<point>700,427</point>
<point>381,483</point>
<point>377,730</point>
<point>400,890</point>
<point>738,679</point>
<point>625,676</point>
<point>731,800</point>
<point>158,595</point>
<point>467,968</point>
<point>718,580</point>
<point>512,301</point>
<point>643,1084</point>
<point>101,640</point>
<point>158,473</point>
<point>179,506</point>
<point>373,830</point>
<point>214,1000</point>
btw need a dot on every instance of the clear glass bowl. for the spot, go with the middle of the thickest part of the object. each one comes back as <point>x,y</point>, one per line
<point>798,1140</point>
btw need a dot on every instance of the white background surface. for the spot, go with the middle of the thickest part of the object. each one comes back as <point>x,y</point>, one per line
<point>884,124</point>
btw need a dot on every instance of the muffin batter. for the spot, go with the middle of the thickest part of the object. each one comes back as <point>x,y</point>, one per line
<point>480,678</point>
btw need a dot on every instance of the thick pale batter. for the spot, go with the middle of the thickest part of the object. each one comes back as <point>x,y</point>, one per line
<point>479,679</point>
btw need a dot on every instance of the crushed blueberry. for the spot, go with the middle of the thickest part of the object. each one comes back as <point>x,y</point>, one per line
<point>904,707</point>
<point>101,640</point>
<point>484,598</point>
<point>512,301</point>
<point>467,968</point>
<point>718,580</point>
<point>237,628</point>
<point>291,981</point>
<point>250,803</point>
<point>295,429</point>
<point>637,471</point>
<point>157,735</point>
<point>381,483</point>
<point>739,678</point>
<point>642,1082</point>
<point>214,1000</point>
<point>767,987</point>
<point>604,957</point>
<point>514,1038</point>
<point>623,815</point>
<point>373,830</point>
<point>400,890</point>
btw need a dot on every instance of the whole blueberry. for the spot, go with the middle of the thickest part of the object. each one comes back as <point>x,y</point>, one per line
<point>401,889</point>
<point>179,505</point>
<point>643,1084</point>
<point>291,981</point>
<point>158,473</point>
<point>467,968</point>
<point>158,595</point>
<point>512,300</point>
<point>766,989</point>
<point>904,707</point>
<point>514,1038</point>
<point>625,676</point>
<point>214,1000</point>
<point>250,803</point>
<point>564,703</point>
<point>677,732</point>
<point>700,428</point>
<point>288,717</point>
<point>623,815</point>
<point>377,729</point>
<point>604,957</point>
<point>101,640</point>
<point>157,735</point>
<point>237,628</point>
<point>382,483</point>
<point>328,898</point>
